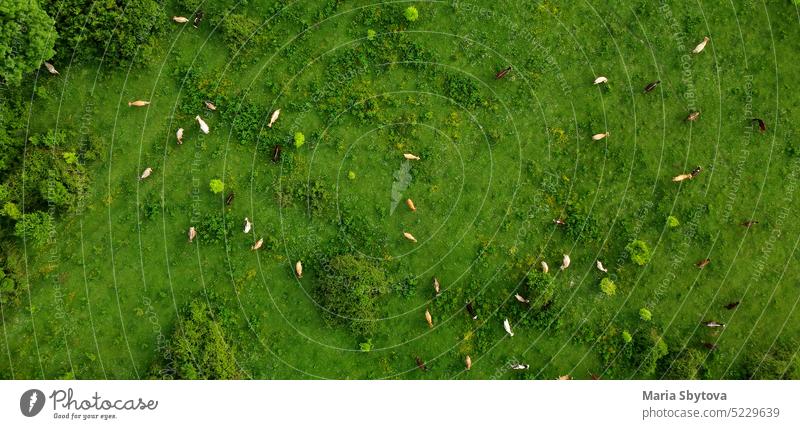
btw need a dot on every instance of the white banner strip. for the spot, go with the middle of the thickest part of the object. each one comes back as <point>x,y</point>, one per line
<point>399,404</point>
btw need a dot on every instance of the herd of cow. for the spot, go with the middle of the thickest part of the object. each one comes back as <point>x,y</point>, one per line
<point>565,263</point>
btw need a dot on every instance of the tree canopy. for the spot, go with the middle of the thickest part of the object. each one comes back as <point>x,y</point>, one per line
<point>27,36</point>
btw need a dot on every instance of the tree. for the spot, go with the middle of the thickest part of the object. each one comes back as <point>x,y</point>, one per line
<point>198,349</point>
<point>34,227</point>
<point>27,36</point>
<point>216,186</point>
<point>411,13</point>
<point>608,286</point>
<point>348,289</point>
<point>299,139</point>
<point>639,251</point>
<point>645,314</point>
<point>114,31</point>
<point>672,222</point>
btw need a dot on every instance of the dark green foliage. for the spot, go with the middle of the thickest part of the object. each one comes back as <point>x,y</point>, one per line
<point>35,228</point>
<point>686,365</point>
<point>639,252</point>
<point>26,38</point>
<point>462,89</point>
<point>348,289</point>
<point>214,228</point>
<point>117,31</point>
<point>198,349</point>
<point>779,363</point>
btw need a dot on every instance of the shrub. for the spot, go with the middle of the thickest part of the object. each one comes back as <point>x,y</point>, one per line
<point>639,251</point>
<point>216,186</point>
<point>608,286</point>
<point>672,221</point>
<point>686,365</point>
<point>645,314</point>
<point>299,139</point>
<point>11,210</point>
<point>34,227</point>
<point>198,349</point>
<point>351,175</point>
<point>411,13</point>
<point>626,337</point>
<point>348,289</point>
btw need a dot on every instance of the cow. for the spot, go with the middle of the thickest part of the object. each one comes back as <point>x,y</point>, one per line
<point>202,123</point>
<point>651,86</point>
<point>507,327</point>
<point>274,117</point>
<point>409,237</point>
<point>600,80</point>
<point>138,103</point>
<point>502,73</point>
<point>702,45</point>
<point>428,318</point>
<point>298,269</point>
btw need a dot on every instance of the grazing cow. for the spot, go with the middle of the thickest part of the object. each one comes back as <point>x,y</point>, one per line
<point>410,157</point>
<point>471,311</point>
<point>502,73</point>
<point>420,363</point>
<point>276,153</point>
<point>180,19</point>
<point>565,262</point>
<point>545,268</point>
<point>179,135</point>
<point>699,48</point>
<point>565,377</point>
<point>693,116</point>
<point>732,305</point>
<point>258,244</point>
<point>749,223</point>
<point>468,362</point>
<point>210,105</point>
<point>411,205</point>
<point>601,267</point>
<point>298,269</point>
<point>651,86</point>
<point>522,299</point>
<point>713,324</point>
<point>146,173</point>
<point>507,327</point>
<point>247,225</point>
<point>198,18</point>
<point>520,366</point>
<point>229,199</point>
<point>600,136</point>
<point>681,177</point>
<point>409,237</point>
<point>138,103</point>
<point>202,123</point>
<point>437,286</point>
<point>274,117</point>
<point>696,171</point>
<point>762,127</point>
<point>192,234</point>
<point>428,318</point>
<point>600,79</point>
<point>559,222</point>
<point>50,68</point>
<point>703,263</point>
<point>710,346</point>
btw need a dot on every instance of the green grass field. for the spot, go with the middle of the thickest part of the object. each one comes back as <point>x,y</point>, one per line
<point>500,159</point>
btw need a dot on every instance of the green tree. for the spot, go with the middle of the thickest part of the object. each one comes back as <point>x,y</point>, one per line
<point>11,210</point>
<point>608,286</point>
<point>198,350</point>
<point>673,222</point>
<point>27,36</point>
<point>116,31</point>
<point>639,252</point>
<point>411,13</point>
<point>34,227</point>
<point>348,289</point>
<point>645,314</point>
<point>299,139</point>
<point>216,186</point>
